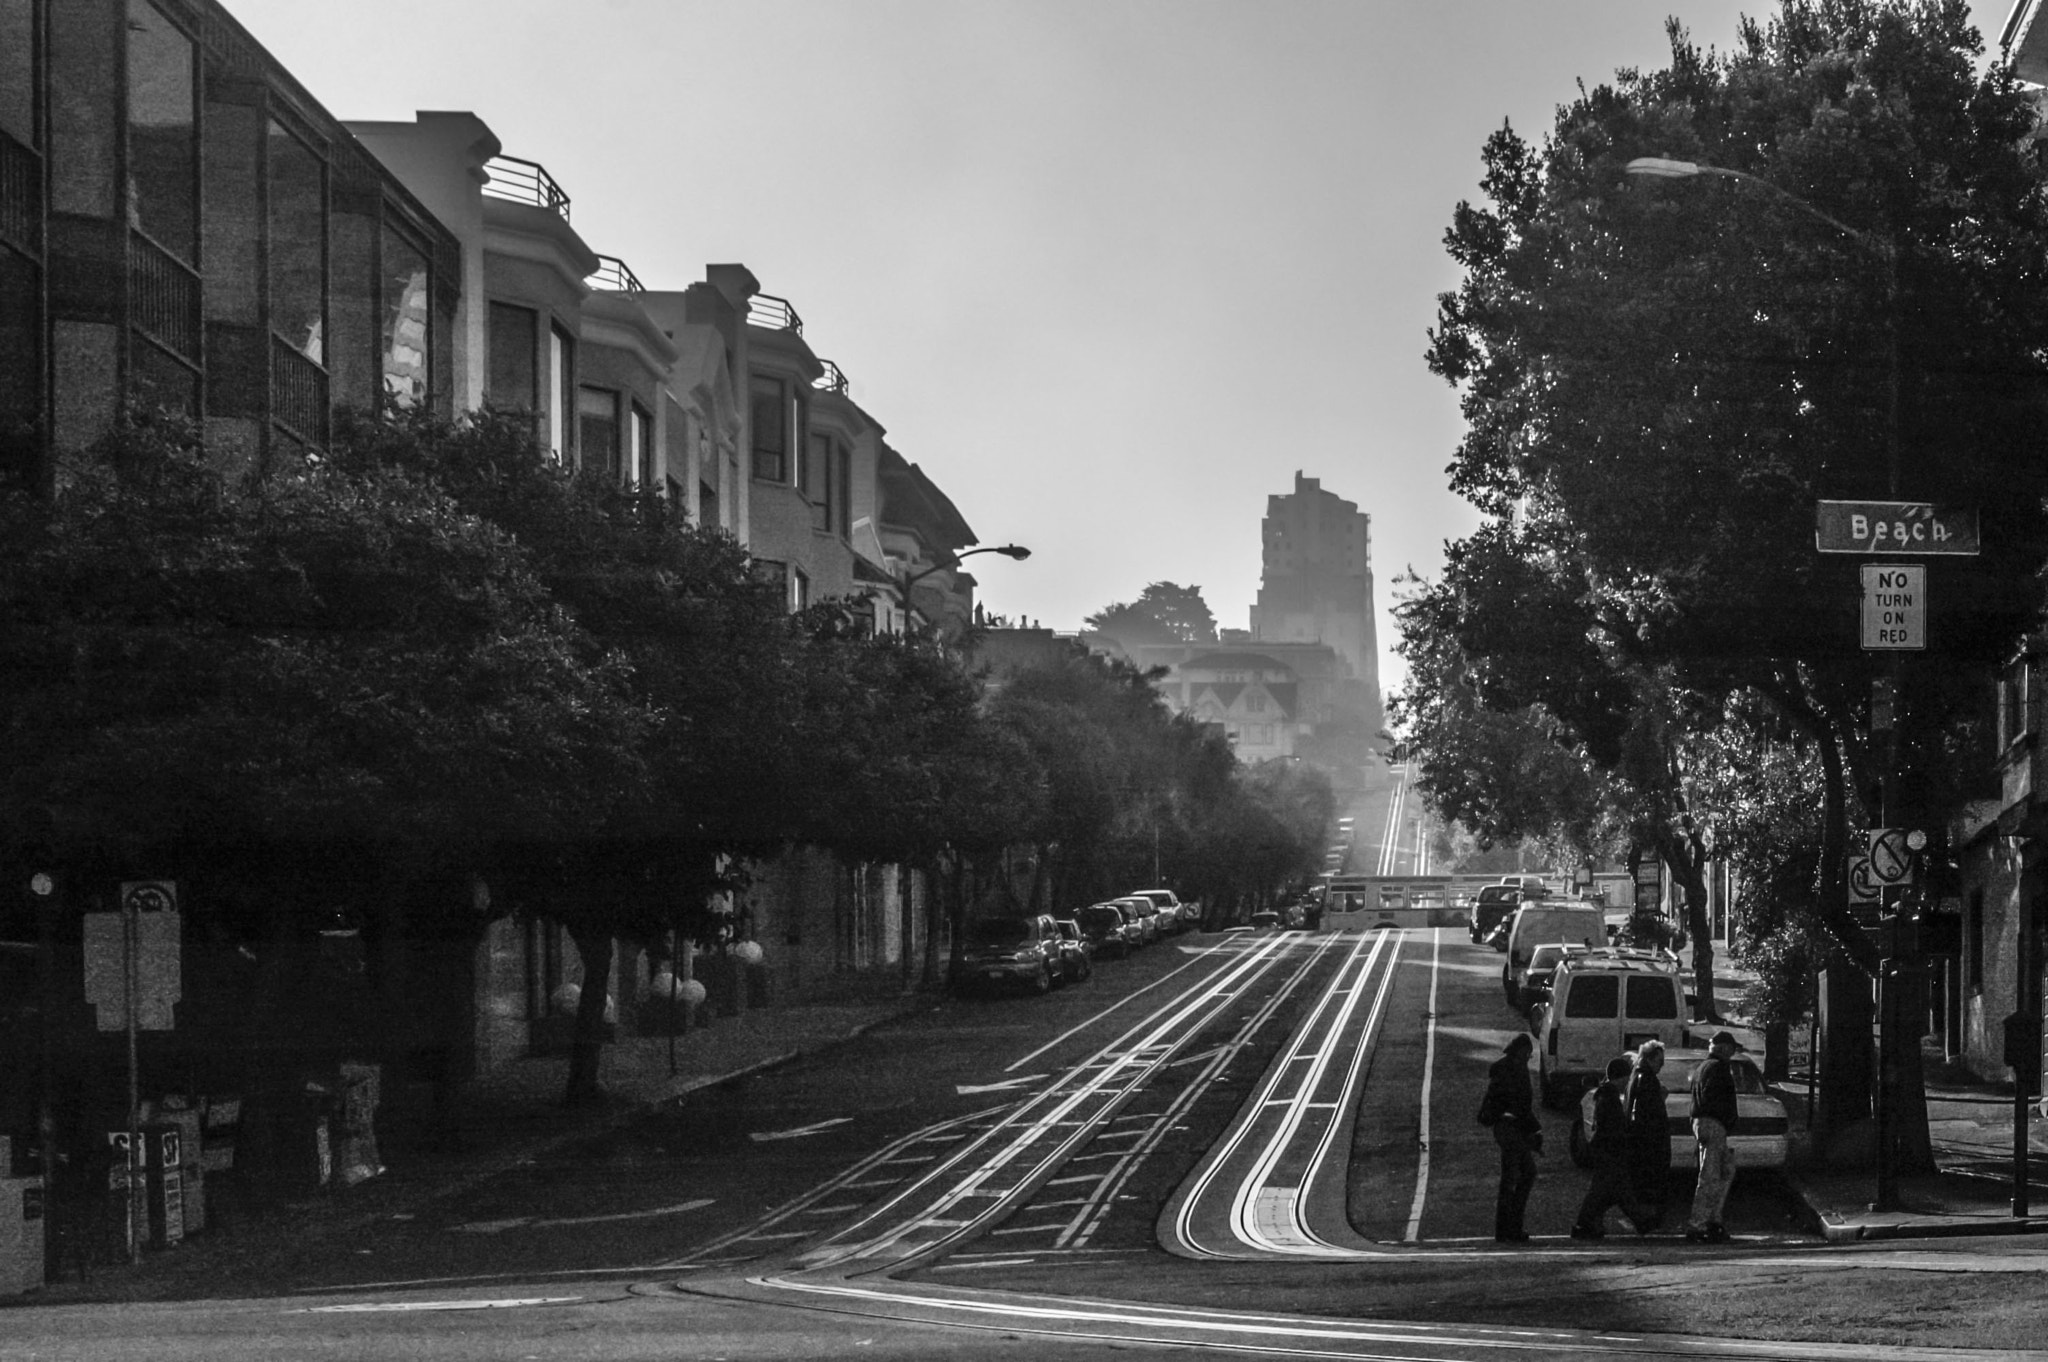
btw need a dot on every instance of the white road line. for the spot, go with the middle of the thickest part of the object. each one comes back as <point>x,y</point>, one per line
<point>1072,1030</point>
<point>1428,1070</point>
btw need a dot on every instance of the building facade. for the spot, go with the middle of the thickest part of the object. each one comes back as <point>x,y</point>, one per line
<point>1315,583</point>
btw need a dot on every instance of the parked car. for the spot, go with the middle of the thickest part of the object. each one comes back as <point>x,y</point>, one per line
<point>1106,928</point>
<point>1020,950</point>
<point>1535,979</point>
<point>1172,915</point>
<point>1762,1126</point>
<point>1266,917</point>
<point>1603,1002</point>
<point>1146,912</point>
<point>1075,955</point>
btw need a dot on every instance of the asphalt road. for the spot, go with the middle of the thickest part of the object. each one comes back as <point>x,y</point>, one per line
<point>1255,1142</point>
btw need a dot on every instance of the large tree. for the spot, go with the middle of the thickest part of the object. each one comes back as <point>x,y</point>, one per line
<point>1164,612</point>
<point>1659,384</point>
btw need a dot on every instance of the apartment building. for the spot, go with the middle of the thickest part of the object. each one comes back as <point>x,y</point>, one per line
<point>183,226</point>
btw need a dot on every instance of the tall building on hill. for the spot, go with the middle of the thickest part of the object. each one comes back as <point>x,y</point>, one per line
<point>1316,582</point>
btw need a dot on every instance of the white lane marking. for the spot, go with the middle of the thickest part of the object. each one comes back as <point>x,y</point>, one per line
<point>1082,1026</point>
<point>986,1262</point>
<point>374,1307</point>
<point>1003,1085</point>
<point>1414,1232</point>
<point>799,1132</point>
<point>530,1223</point>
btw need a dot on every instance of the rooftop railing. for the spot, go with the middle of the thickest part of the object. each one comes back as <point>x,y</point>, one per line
<point>525,182</point>
<point>766,310</point>
<point>613,276</point>
<point>832,380</point>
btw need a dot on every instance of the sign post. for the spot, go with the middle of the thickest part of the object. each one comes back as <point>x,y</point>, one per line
<point>133,979</point>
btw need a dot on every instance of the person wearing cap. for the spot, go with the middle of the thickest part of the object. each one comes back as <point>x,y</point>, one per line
<point>1713,1116</point>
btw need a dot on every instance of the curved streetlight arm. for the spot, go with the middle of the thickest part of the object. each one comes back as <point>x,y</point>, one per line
<point>950,561</point>
<point>1663,168</point>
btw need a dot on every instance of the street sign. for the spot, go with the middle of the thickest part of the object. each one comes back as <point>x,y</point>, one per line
<point>1862,888</point>
<point>1891,860</point>
<point>1894,606</point>
<point>136,949</point>
<point>1915,527</point>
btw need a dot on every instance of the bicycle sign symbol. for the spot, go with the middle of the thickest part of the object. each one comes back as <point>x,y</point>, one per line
<point>1862,888</point>
<point>1891,861</point>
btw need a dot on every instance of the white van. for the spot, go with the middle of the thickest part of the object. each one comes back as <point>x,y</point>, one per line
<point>1575,922</point>
<point>1603,1002</point>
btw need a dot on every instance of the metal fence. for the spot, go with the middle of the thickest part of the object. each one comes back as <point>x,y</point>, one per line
<point>525,182</point>
<point>775,314</point>
<point>613,276</point>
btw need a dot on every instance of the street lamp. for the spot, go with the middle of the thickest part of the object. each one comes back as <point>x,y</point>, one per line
<point>945,563</point>
<point>1883,688</point>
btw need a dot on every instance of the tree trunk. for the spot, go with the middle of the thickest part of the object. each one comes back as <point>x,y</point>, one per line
<point>1688,862</point>
<point>594,948</point>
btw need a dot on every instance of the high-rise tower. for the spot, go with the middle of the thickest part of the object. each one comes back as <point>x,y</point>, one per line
<point>1316,583</point>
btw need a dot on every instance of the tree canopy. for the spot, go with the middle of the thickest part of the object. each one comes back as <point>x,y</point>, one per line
<point>1163,613</point>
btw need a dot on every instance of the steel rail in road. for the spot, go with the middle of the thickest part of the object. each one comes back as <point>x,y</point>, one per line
<point>1269,1187</point>
<point>995,1171</point>
<point>1390,836</point>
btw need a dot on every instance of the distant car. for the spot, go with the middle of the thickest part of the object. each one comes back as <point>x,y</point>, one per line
<point>1172,912</point>
<point>1762,1126</point>
<point>1265,917</point>
<point>1019,950</point>
<point>1112,934</point>
<point>1075,955</point>
<point>1494,904</point>
<point>1146,912</point>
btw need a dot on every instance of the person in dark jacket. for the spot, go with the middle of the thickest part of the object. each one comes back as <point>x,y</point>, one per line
<point>1613,1183</point>
<point>1713,1117</point>
<point>1649,1130</point>
<point>1519,1134</point>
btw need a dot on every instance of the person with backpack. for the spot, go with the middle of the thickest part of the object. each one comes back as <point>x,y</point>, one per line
<point>1613,1179</point>
<point>1509,1108</point>
<point>1649,1130</point>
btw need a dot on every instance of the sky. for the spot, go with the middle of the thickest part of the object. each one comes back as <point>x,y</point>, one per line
<point>1110,271</point>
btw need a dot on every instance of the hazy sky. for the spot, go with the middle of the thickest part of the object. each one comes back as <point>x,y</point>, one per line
<point>1110,271</point>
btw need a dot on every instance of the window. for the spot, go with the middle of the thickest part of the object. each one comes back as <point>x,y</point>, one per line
<point>561,389</point>
<point>17,70</point>
<point>163,142</point>
<point>1652,999</point>
<point>799,590</point>
<point>1593,995</point>
<point>406,307</point>
<point>511,382</point>
<point>85,58</point>
<point>298,244</point>
<point>2015,710</point>
<point>817,479</point>
<point>639,447</point>
<point>597,429</point>
<point>843,499</point>
<point>770,421</point>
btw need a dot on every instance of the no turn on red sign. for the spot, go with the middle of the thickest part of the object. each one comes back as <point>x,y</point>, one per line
<point>1894,606</point>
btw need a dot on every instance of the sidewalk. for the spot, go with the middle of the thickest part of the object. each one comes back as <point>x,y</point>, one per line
<point>504,1119</point>
<point>1970,1129</point>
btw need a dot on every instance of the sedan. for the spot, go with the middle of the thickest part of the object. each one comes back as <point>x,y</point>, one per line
<point>1106,928</point>
<point>1762,1126</point>
<point>1144,912</point>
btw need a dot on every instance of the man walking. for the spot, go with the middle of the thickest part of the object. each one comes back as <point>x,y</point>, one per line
<point>1613,1175</point>
<point>1510,1108</point>
<point>1713,1116</point>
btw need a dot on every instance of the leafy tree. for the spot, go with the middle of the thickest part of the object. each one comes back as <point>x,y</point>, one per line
<point>1163,613</point>
<point>1658,386</point>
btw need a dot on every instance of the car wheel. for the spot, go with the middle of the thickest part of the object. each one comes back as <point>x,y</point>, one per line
<point>1582,1149</point>
<point>1043,983</point>
<point>1536,1019</point>
<point>1087,968</point>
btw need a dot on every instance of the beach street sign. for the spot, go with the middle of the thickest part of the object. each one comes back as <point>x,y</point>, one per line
<point>1894,606</point>
<point>1910,527</point>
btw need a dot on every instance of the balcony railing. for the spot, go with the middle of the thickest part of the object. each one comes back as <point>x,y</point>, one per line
<point>613,276</point>
<point>525,182</point>
<point>832,380</point>
<point>775,314</point>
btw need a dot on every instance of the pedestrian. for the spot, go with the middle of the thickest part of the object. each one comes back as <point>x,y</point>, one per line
<point>1713,1116</point>
<point>1509,1107</point>
<point>1649,1132</point>
<point>1613,1179</point>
